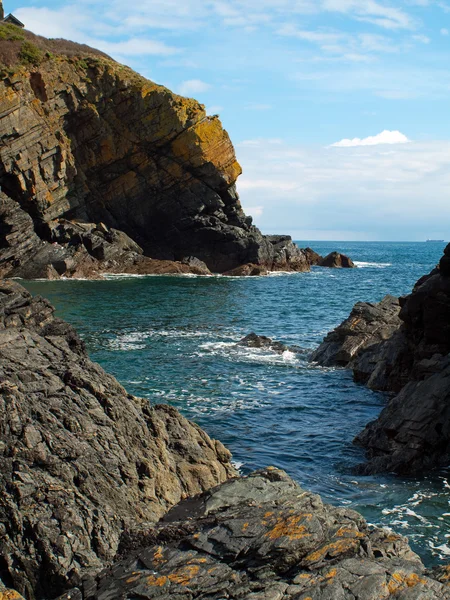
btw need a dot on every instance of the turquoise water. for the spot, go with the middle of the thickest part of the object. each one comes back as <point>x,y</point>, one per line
<point>173,339</point>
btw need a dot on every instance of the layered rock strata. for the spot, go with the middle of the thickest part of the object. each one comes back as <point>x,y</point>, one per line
<point>402,346</point>
<point>85,139</point>
<point>80,459</point>
<point>263,538</point>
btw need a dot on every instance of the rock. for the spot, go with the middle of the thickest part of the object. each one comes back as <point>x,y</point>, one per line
<point>313,257</point>
<point>261,341</point>
<point>336,260</point>
<point>401,346</point>
<point>368,326</point>
<point>80,459</point>
<point>444,263</point>
<point>263,537</point>
<point>86,139</point>
<point>198,267</point>
<point>412,434</point>
<point>248,270</point>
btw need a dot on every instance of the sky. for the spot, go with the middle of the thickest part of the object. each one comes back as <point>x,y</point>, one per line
<point>338,109</point>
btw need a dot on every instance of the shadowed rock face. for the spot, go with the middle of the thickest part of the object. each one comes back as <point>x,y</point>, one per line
<point>80,459</point>
<point>402,346</point>
<point>263,538</point>
<point>96,143</point>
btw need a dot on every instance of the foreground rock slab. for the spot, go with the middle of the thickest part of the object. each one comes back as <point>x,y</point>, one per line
<point>263,538</point>
<point>80,459</point>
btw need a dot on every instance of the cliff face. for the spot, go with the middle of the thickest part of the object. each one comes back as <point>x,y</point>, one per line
<point>87,139</point>
<point>80,459</point>
<point>402,346</point>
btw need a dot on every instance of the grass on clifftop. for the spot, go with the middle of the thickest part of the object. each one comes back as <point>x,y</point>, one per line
<point>19,47</point>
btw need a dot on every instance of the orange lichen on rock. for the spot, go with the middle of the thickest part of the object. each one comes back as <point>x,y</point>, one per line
<point>401,581</point>
<point>289,528</point>
<point>10,595</point>
<point>184,575</point>
<point>333,549</point>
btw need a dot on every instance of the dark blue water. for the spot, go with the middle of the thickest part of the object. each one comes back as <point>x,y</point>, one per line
<point>173,339</point>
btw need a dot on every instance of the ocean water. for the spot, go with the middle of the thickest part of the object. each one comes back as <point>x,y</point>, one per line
<point>172,339</point>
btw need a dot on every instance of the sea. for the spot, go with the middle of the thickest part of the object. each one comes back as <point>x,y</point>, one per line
<point>173,339</point>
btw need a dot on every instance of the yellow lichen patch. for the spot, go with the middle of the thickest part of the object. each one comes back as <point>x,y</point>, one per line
<point>348,532</point>
<point>446,577</point>
<point>133,578</point>
<point>184,575</point>
<point>268,514</point>
<point>10,595</point>
<point>244,527</point>
<point>355,323</point>
<point>158,554</point>
<point>331,574</point>
<point>156,581</point>
<point>289,528</point>
<point>197,561</point>
<point>400,581</point>
<point>333,549</point>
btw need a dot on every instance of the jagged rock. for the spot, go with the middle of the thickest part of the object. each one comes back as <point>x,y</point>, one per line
<point>313,257</point>
<point>198,267</point>
<point>402,346</point>
<point>252,340</point>
<point>263,538</point>
<point>80,459</point>
<point>336,260</point>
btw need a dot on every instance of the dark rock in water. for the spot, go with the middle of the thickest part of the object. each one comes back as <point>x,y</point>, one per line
<point>198,267</point>
<point>263,538</point>
<point>80,459</point>
<point>252,340</point>
<point>412,434</point>
<point>249,270</point>
<point>444,263</point>
<point>401,346</point>
<point>336,260</point>
<point>313,257</point>
<point>367,326</point>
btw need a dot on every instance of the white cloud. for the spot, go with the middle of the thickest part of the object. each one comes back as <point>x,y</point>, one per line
<point>213,110</point>
<point>136,47</point>
<point>444,31</point>
<point>254,211</point>
<point>193,86</point>
<point>364,189</point>
<point>385,137</point>
<point>423,39</point>
<point>256,106</point>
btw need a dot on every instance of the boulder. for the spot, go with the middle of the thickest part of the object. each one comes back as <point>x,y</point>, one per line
<point>252,340</point>
<point>263,537</point>
<point>336,260</point>
<point>80,459</point>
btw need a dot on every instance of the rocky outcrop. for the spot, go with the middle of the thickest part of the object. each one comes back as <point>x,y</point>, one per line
<point>85,139</point>
<point>263,538</point>
<point>80,459</point>
<point>402,346</point>
<point>336,260</point>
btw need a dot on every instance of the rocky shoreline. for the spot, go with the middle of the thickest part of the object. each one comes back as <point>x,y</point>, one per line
<point>87,471</point>
<point>402,345</point>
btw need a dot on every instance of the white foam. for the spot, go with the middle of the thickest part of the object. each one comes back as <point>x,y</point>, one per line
<point>373,265</point>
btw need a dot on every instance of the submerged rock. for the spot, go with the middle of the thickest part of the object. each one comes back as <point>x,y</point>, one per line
<point>263,537</point>
<point>80,459</point>
<point>252,340</point>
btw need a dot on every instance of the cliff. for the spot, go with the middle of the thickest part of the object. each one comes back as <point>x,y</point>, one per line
<point>80,459</point>
<point>402,345</point>
<point>86,140</point>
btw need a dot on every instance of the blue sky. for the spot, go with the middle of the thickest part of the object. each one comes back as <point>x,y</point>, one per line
<point>290,80</point>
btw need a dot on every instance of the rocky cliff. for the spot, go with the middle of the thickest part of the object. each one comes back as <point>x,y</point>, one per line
<point>87,140</point>
<point>402,345</point>
<point>80,459</point>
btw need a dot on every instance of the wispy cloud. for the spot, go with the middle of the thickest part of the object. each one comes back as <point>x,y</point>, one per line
<point>193,86</point>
